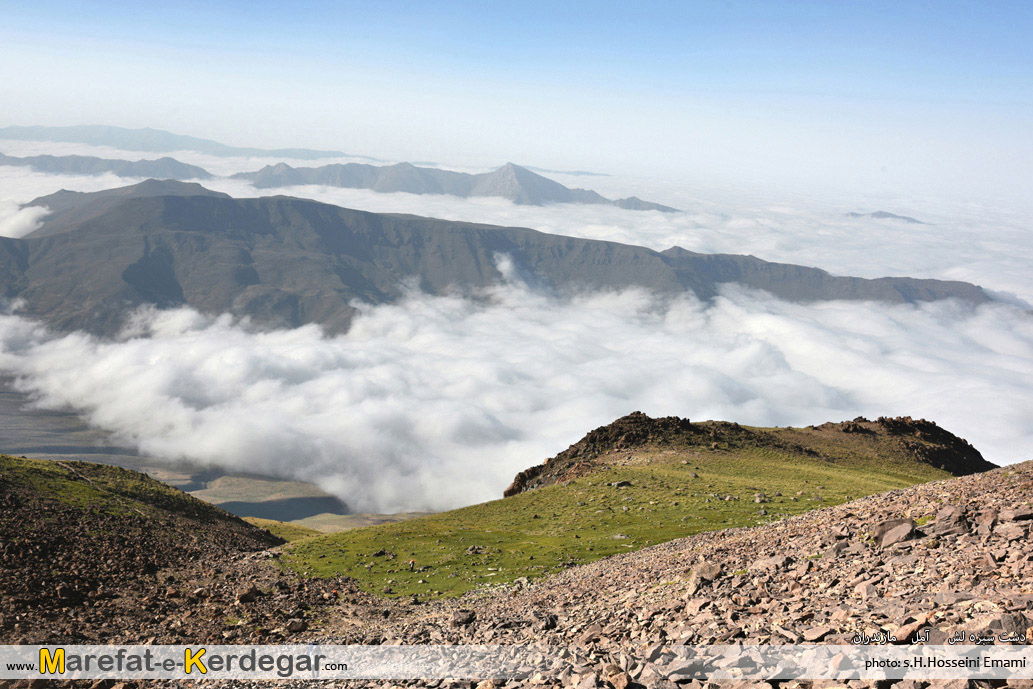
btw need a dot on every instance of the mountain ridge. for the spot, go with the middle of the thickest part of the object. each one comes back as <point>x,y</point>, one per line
<point>166,167</point>
<point>920,439</point>
<point>510,181</point>
<point>285,261</point>
<point>886,215</point>
<point>157,140</point>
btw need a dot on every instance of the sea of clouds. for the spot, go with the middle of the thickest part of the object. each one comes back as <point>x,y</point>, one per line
<point>436,402</point>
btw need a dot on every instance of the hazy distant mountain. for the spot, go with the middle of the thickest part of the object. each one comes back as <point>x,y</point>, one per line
<point>513,182</point>
<point>287,261</point>
<point>164,168</point>
<point>148,139</point>
<point>883,215</point>
<point>574,173</point>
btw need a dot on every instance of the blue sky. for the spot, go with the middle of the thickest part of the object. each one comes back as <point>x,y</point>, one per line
<point>733,89</point>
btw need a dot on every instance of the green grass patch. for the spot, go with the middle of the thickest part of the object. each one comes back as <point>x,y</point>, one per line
<point>101,488</point>
<point>543,531</point>
<point>288,531</point>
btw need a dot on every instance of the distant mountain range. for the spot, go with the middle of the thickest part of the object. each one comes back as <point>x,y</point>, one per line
<point>883,215</point>
<point>148,139</point>
<point>573,173</point>
<point>519,184</point>
<point>513,182</point>
<point>286,261</point>
<point>164,168</point>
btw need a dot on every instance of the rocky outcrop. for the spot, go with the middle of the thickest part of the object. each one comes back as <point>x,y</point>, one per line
<point>906,438</point>
<point>75,536</point>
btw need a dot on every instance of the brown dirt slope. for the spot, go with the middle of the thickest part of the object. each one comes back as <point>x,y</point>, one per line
<point>74,534</point>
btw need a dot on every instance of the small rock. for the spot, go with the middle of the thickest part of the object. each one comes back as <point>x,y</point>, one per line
<point>461,618</point>
<point>1016,515</point>
<point>590,681</point>
<point>707,571</point>
<point>894,531</point>
<point>816,633</point>
<point>1011,531</point>
<point>621,680</point>
<point>248,595</point>
<point>866,590</point>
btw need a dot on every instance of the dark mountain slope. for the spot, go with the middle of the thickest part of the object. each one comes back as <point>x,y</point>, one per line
<point>513,182</point>
<point>165,168</point>
<point>286,261</point>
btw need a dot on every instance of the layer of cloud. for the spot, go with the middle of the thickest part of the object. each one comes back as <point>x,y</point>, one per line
<point>437,402</point>
<point>18,222</point>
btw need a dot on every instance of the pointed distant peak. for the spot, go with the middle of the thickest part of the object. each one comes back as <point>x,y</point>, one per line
<point>280,167</point>
<point>520,174</point>
<point>515,169</point>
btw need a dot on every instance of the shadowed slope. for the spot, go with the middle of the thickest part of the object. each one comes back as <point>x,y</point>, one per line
<point>286,262</point>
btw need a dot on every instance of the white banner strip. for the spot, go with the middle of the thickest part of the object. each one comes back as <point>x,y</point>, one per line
<point>678,663</point>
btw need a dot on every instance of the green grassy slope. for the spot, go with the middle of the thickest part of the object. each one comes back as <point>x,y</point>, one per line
<point>90,493</point>
<point>678,484</point>
<point>288,531</point>
<point>102,489</point>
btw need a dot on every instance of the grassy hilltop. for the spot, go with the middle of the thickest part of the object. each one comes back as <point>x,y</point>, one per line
<point>634,483</point>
